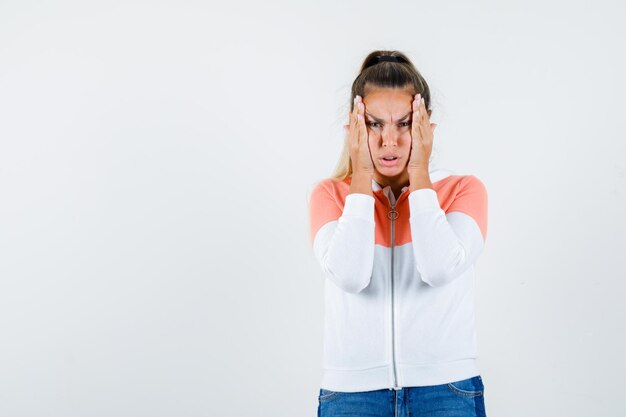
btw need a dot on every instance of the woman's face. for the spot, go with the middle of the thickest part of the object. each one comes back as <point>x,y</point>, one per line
<point>388,117</point>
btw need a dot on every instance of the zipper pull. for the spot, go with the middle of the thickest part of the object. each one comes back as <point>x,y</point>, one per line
<point>393,214</point>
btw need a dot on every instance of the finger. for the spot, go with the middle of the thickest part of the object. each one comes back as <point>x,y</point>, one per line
<point>355,127</point>
<point>425,125</point>
<point>423,134</point>
<point>417,110</point>
<point>351,112</point>
<point>351,126</point>
<point>362,127</point>
<point>423,111</point>
<point>416,118</point>
<point>426,135</point>
<point>353,119</point>
<point>355,111</point>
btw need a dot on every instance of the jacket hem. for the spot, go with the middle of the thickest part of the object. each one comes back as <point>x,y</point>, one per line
<point>409,375</point>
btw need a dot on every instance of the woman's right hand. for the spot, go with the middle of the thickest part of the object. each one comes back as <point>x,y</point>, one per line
<point>358,140</point>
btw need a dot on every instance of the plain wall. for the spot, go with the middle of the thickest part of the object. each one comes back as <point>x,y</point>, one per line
<point>155,164</point>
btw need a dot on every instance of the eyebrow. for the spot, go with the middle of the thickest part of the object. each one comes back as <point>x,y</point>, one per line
<point>382,121</point>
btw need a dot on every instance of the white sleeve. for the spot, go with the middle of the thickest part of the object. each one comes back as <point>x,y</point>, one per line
<point>344,247</point>
<point>444,245</point>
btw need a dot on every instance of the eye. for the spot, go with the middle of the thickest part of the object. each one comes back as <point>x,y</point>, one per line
<point>372,123</point>
<point>404,124</point>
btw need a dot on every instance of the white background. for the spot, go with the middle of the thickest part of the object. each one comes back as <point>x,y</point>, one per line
<point>155,163</point>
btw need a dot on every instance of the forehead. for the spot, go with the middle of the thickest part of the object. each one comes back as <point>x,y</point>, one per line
<point>388,103</point>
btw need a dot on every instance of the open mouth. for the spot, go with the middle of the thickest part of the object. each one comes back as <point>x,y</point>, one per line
<point>389,161</point>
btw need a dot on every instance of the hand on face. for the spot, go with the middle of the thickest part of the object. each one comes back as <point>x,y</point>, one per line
<point>421,136</point>
<point>358,140</point>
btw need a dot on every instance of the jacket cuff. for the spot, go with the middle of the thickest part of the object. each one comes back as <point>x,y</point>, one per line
<point>359,205</point>
<point>424,199</point>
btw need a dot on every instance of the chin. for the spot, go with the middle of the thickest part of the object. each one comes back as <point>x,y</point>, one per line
<point>386,172</point>
<point>392,172</point>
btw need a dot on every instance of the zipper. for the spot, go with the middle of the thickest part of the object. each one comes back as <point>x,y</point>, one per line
<point>393,214</point>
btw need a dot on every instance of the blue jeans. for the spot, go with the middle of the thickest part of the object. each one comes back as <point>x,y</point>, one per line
<point>463,398</point>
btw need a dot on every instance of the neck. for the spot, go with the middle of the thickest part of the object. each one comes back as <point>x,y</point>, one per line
<point>396,182</point>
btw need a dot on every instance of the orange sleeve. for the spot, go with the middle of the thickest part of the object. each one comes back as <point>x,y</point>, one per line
<point>323,207</point>
<point>471,199</point>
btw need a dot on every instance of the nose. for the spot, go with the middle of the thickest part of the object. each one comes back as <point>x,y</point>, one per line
<point>389,137</point>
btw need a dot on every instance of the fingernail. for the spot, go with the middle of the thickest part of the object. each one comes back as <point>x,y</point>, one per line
<point>419,96</point>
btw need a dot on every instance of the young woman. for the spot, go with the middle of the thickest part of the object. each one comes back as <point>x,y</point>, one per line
<point>397,240</point>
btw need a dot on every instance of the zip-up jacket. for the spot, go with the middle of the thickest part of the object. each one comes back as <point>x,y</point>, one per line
<point>399,281</point>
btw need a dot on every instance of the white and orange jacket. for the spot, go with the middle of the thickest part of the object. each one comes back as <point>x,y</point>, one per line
<point>399,281</point>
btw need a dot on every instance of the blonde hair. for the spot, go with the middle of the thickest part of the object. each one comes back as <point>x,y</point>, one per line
<point>384,74</point>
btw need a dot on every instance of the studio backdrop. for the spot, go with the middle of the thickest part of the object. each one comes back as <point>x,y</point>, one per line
<point>156,160</point>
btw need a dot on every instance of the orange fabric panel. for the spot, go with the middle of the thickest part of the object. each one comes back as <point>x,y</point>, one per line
<point>381,217</point>
<point>401,226</point>
<point>463,193</point>
<point>326,203</point>
<point>328,199</point>
<point>467,194</point>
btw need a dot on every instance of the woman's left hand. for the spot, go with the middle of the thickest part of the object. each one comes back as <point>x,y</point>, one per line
<point>421,137</point>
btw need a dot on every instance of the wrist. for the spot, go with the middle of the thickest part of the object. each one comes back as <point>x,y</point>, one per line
<point>362,175</point>
<point>419,178</point>
<point>361,182</point>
